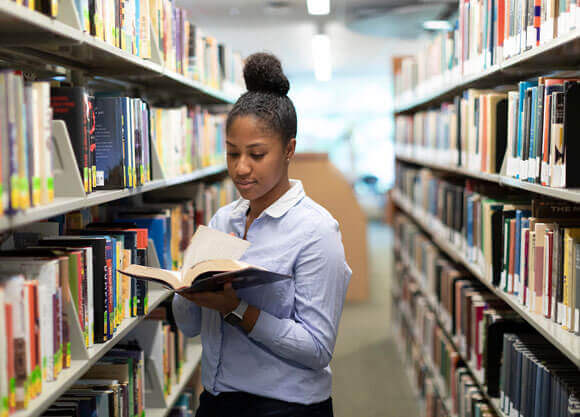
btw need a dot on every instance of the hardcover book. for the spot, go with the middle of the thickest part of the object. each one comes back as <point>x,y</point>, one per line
<point>210,261</point>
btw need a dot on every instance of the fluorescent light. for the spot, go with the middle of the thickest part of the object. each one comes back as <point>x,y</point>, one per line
<point>318,7</point>
<point>322,58</point>
<point>437,25</point>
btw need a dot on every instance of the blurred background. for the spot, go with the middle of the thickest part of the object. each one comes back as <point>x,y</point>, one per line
<point>339,66</point>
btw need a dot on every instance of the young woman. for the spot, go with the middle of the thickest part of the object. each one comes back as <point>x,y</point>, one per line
<point>266,349</point>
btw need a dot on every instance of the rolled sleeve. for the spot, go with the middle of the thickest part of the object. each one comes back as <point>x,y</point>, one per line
<point>321,279</point>
<point>187,315</point>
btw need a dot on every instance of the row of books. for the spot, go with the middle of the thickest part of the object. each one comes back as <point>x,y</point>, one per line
<point>536,380</point>
<point>529,128</point>
<point>139,26</point>
<point>486,33</point>
<point>187,138</point>
<point>169,353</point>
<point>112,139</point>
<point>470,132</point>
<point>66,264</point>
<point>109,135</point>
<point>446,387</point>
<point>524,248</point>
<point>26,170</point>
<point>486,324</point>
<point>114,386</point>
<point>468,313</point>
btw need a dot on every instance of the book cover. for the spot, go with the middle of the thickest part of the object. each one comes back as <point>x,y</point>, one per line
<point>110,167</point>
<point>569,171</point>
<point>69,104</point>
<point>204,269</point>
<point>100,280</point>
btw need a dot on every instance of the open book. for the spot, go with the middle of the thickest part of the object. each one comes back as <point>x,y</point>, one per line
<point>210,261</point>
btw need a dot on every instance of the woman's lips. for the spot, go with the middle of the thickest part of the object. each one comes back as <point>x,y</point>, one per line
<point>245,185</point>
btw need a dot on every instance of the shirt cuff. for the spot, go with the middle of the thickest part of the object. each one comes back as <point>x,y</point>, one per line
<point>265,329</point>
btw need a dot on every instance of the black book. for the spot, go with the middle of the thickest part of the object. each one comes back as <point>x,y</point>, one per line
<point>110,165</point>
<point>87,405</point>
<point>70,104</point>
<point>100,278</point>
<point>497,246</point>
<point>501,122</point>
<point>457,103</point>
<point>493,349</point>
<point>571,133</point>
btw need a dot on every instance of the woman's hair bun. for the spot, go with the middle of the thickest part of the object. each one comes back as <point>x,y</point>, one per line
<point>263,73</point>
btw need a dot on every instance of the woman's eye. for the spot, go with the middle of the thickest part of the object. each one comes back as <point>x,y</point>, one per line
<point>258,155</point>
<point>233,154</point>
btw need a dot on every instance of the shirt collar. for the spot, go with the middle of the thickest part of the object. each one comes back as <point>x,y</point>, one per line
<point>278,208</point>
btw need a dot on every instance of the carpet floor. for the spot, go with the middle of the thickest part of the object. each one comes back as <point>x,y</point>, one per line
<point>369,378</point>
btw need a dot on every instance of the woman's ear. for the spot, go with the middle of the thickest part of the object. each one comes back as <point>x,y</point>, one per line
<point>290,149</point>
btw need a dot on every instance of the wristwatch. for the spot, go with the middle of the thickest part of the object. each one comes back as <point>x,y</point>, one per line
<point>235,317</point>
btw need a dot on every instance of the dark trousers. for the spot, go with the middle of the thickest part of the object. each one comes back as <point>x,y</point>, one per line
<point>241,404</point>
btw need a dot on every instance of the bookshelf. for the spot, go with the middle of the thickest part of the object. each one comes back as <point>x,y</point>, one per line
<point>41,45</point>
<point>193,359</point>
<point>63,205</point>
<point>567,343</point>
<point>555,54</point>
<point>568,194</point>
<point>52,390</point>
<point>42,40</point>
<point>494,402</point>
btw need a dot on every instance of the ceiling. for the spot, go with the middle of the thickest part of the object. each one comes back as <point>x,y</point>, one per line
<point>364,33</point>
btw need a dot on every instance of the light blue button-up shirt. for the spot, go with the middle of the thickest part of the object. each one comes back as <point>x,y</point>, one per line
<point>287,353</point>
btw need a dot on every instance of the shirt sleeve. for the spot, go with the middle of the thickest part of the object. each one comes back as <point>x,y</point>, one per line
<point>321,279</point>
<point>187,314</point>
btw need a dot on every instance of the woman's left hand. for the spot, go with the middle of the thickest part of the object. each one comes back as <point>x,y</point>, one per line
<point>224,301</point>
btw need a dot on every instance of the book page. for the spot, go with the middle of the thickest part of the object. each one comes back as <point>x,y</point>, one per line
<point>207,244</point>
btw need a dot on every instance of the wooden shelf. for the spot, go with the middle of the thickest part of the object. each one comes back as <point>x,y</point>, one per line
<point>558,54</point>
<point>567,194</point>
<point>566,342</point>
<point>52,390</point>
<point>31,37</point>
<point>66,204</point>
<point>193,359</point>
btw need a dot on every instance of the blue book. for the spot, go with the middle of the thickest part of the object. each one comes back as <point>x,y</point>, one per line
<point>523,86</point>
<point>470,223</point>
<point>159,229</point>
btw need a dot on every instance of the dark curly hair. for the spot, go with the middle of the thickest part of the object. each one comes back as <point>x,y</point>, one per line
<point>266,96</point>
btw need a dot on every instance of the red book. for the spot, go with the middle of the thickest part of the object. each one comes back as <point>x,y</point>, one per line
<point>500,22</point>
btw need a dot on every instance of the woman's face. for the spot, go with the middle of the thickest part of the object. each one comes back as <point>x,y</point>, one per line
<point>256,157</point>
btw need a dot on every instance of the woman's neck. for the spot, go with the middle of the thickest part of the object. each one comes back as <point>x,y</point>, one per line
<point>260,204</point>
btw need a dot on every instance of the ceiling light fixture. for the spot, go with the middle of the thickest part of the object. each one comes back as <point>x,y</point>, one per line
<point>322,58</point>
<point>318,7</point>
<point>437,25</point>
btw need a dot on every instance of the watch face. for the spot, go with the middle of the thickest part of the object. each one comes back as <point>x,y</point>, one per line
<point>232,319</point>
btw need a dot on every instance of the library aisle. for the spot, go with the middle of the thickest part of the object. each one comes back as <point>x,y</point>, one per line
<point>369,378</point>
